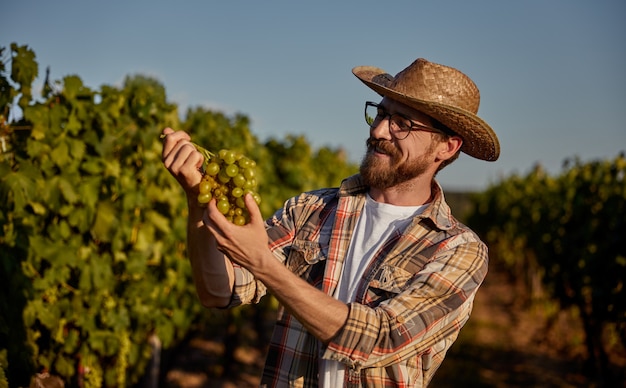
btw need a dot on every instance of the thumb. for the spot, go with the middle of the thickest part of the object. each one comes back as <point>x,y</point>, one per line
<point>253,209</point>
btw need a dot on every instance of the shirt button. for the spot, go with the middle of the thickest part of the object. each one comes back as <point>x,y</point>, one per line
<point>400,319</point>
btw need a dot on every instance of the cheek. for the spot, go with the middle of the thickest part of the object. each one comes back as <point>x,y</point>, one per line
<point>425,146</point>
<point>420,154</point>
<point>412,150</point>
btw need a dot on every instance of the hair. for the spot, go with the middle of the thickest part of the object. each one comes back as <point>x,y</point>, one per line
<point>442,137</point>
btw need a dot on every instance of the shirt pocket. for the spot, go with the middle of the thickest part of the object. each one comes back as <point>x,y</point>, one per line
<point>386,282</point>
<point>305,254</point>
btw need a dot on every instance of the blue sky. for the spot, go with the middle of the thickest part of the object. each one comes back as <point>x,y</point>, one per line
<point>552,73</point>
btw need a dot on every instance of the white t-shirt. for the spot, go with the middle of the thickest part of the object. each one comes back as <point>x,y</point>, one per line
<point>377,222</point>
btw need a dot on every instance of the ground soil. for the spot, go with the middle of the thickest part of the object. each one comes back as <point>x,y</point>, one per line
<point>506,343</point>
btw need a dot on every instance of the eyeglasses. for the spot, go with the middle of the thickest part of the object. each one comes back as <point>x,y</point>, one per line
<point>399,125</point>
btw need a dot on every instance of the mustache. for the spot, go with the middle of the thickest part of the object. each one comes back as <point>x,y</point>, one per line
<point>380,144</point>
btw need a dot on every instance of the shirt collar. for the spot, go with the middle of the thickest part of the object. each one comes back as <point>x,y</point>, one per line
<point>438,211</point>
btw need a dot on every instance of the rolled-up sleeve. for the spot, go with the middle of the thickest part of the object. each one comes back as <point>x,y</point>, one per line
<point>280,230</point>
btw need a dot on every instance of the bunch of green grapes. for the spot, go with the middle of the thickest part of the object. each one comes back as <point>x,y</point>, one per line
<point>228,177</point>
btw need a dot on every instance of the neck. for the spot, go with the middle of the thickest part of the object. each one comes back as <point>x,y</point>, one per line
<point>412,193</point>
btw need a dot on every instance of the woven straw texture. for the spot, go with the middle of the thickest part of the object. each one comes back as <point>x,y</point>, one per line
<point>443,93</point>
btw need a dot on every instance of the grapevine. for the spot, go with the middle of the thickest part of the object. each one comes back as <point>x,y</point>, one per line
<point>86,208</point>
<point>564,233</point>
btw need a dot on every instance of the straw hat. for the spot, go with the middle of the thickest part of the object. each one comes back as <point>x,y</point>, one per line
<point>443,93</point>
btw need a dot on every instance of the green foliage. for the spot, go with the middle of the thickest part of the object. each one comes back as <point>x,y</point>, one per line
<point>285,168</point>
<point>293,167</point>
<point>89,230</point>
<point>23,72</point>
<point>569,231</point>
<point>93,228</point>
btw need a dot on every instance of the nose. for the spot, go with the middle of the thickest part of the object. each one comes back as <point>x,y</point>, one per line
<point>381,130</point>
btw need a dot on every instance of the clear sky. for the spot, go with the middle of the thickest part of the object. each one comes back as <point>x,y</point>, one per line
<point>552,73</point>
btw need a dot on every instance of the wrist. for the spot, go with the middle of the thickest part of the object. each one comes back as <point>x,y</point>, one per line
<point>196,210</point>
<point>269,270</point>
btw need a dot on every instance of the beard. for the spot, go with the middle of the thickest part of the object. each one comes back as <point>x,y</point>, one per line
<point>384,174</point>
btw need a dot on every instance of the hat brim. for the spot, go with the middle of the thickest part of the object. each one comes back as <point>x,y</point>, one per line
<point>479,140</point>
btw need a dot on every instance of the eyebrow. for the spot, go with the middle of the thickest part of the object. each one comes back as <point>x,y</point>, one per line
<point>406,116</point>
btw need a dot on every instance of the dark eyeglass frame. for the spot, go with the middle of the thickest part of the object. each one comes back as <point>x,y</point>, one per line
<point>398,129</point>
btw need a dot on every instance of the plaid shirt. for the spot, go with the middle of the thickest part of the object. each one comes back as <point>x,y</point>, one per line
<point>413,299</point>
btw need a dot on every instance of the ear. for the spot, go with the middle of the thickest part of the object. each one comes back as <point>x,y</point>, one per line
<point>449,147</point>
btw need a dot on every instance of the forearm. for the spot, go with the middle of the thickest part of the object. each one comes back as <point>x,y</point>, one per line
<point>212,272</point>
<point>433,306</point>
<point>322,315</point>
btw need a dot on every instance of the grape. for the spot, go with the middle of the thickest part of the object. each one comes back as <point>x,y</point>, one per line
<point>239,180</point>
<point>223,206</point>
<point>227,156</point>
<point>248,173</point>
<point>250,184</point>
<point>244,163</point>
<point>212,169</point>
<point>205,187</point>
<point>232,170</point>
<point>204,198</point>
<point>237,192</point>
<point>223,177</point>
<point>228,177</point>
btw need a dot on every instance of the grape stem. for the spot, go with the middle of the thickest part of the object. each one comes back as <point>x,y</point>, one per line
<point>208,155</point>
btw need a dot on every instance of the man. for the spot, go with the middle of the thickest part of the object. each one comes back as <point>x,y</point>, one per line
<point>376,277</point>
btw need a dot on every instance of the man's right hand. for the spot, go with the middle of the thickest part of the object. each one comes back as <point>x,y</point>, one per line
<point>182,160</point>
<point>212,272</point>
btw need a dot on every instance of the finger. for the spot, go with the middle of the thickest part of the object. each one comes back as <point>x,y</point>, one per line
<point>185,158</point>
<point>253,209</point>
<point>166,131</point>
<point>215,221</point>
<point>170,139</point>
<point>184,162</point>
<point>173,142</point>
